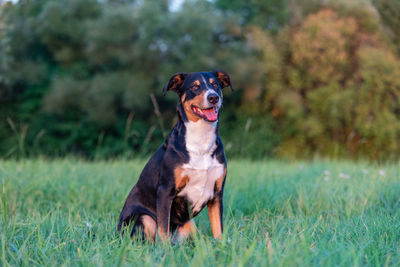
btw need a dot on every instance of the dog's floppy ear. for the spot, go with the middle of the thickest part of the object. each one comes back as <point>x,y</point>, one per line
<point>175,83</point>
<point>223,78</point>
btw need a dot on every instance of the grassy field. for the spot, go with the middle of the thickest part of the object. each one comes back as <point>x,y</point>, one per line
<point>276,213</point>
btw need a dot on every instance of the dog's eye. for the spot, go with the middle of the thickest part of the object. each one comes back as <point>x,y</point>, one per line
<point>215,85</point>
<point>195,87</point>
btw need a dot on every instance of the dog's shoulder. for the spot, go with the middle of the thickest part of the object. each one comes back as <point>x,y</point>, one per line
<point>219,152</point>
<point>174,147</point>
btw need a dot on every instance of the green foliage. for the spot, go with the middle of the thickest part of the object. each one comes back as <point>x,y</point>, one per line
<point>88,65</point>
<point>269,14</point>
<point>249,136</point>
<point>275,214</point>
<point>340,93</point>
<point>313,77</point>
<point>388,10</point>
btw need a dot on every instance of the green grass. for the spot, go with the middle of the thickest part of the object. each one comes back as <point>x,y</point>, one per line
<point>276,213</point>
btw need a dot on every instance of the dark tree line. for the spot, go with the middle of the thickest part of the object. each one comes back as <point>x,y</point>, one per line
<point>84,77</point>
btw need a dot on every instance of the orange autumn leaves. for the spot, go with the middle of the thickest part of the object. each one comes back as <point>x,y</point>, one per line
<point>334,86</point>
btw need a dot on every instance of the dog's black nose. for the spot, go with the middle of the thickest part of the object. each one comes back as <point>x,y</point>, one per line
<point>213,98</point>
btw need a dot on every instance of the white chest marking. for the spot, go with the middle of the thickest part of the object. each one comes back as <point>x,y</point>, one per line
<point>203,169</point>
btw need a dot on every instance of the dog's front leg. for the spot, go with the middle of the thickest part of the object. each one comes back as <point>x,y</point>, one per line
<point>164,202</point>
<point>215,209</point>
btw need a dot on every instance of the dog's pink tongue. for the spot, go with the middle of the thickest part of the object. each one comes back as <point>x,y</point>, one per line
<point>210,114</point>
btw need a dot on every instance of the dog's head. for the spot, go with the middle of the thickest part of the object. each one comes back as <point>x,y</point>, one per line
<point>200,93</point>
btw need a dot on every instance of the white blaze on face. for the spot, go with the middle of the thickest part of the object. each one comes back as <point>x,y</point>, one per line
<point>208,92</point>
<point>205,99</point>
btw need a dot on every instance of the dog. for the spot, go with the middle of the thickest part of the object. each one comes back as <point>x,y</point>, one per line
<point>188,171</point>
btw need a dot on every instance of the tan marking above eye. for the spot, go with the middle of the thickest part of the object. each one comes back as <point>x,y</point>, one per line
<point>213,83</point>
<point>195,85</point>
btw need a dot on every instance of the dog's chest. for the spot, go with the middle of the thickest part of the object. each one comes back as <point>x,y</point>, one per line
<point>203,169</point>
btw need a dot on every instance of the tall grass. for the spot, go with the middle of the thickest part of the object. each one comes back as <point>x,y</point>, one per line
<point>276,214</point>
<point>20,135</point>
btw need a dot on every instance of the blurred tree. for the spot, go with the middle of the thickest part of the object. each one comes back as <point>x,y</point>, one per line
<point>85,65</point>
<point>313,76</point>
<point>389,11</point>
<point>268,14</point>
<point>331,89</point>
<point>23,71</point>
<point>377,120</point>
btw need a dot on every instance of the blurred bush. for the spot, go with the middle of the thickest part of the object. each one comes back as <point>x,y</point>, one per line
<point>341,87</point>
<point>313,77</point>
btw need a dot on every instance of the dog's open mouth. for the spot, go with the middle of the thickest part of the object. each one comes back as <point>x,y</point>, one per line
<point>209,114</point>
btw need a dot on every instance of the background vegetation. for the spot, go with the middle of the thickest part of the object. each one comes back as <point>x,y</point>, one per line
<point>314,77</point>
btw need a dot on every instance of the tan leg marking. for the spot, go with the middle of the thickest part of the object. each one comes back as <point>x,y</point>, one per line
<point>220,181</point>
<point>163,235</point>
<point>214,214</point>
<point>149,227</point>
<point>180,179</point>
<point>186,230</point>
<point>214,209</point>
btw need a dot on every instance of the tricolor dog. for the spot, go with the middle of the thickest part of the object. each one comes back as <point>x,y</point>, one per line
<point>187,172</point>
